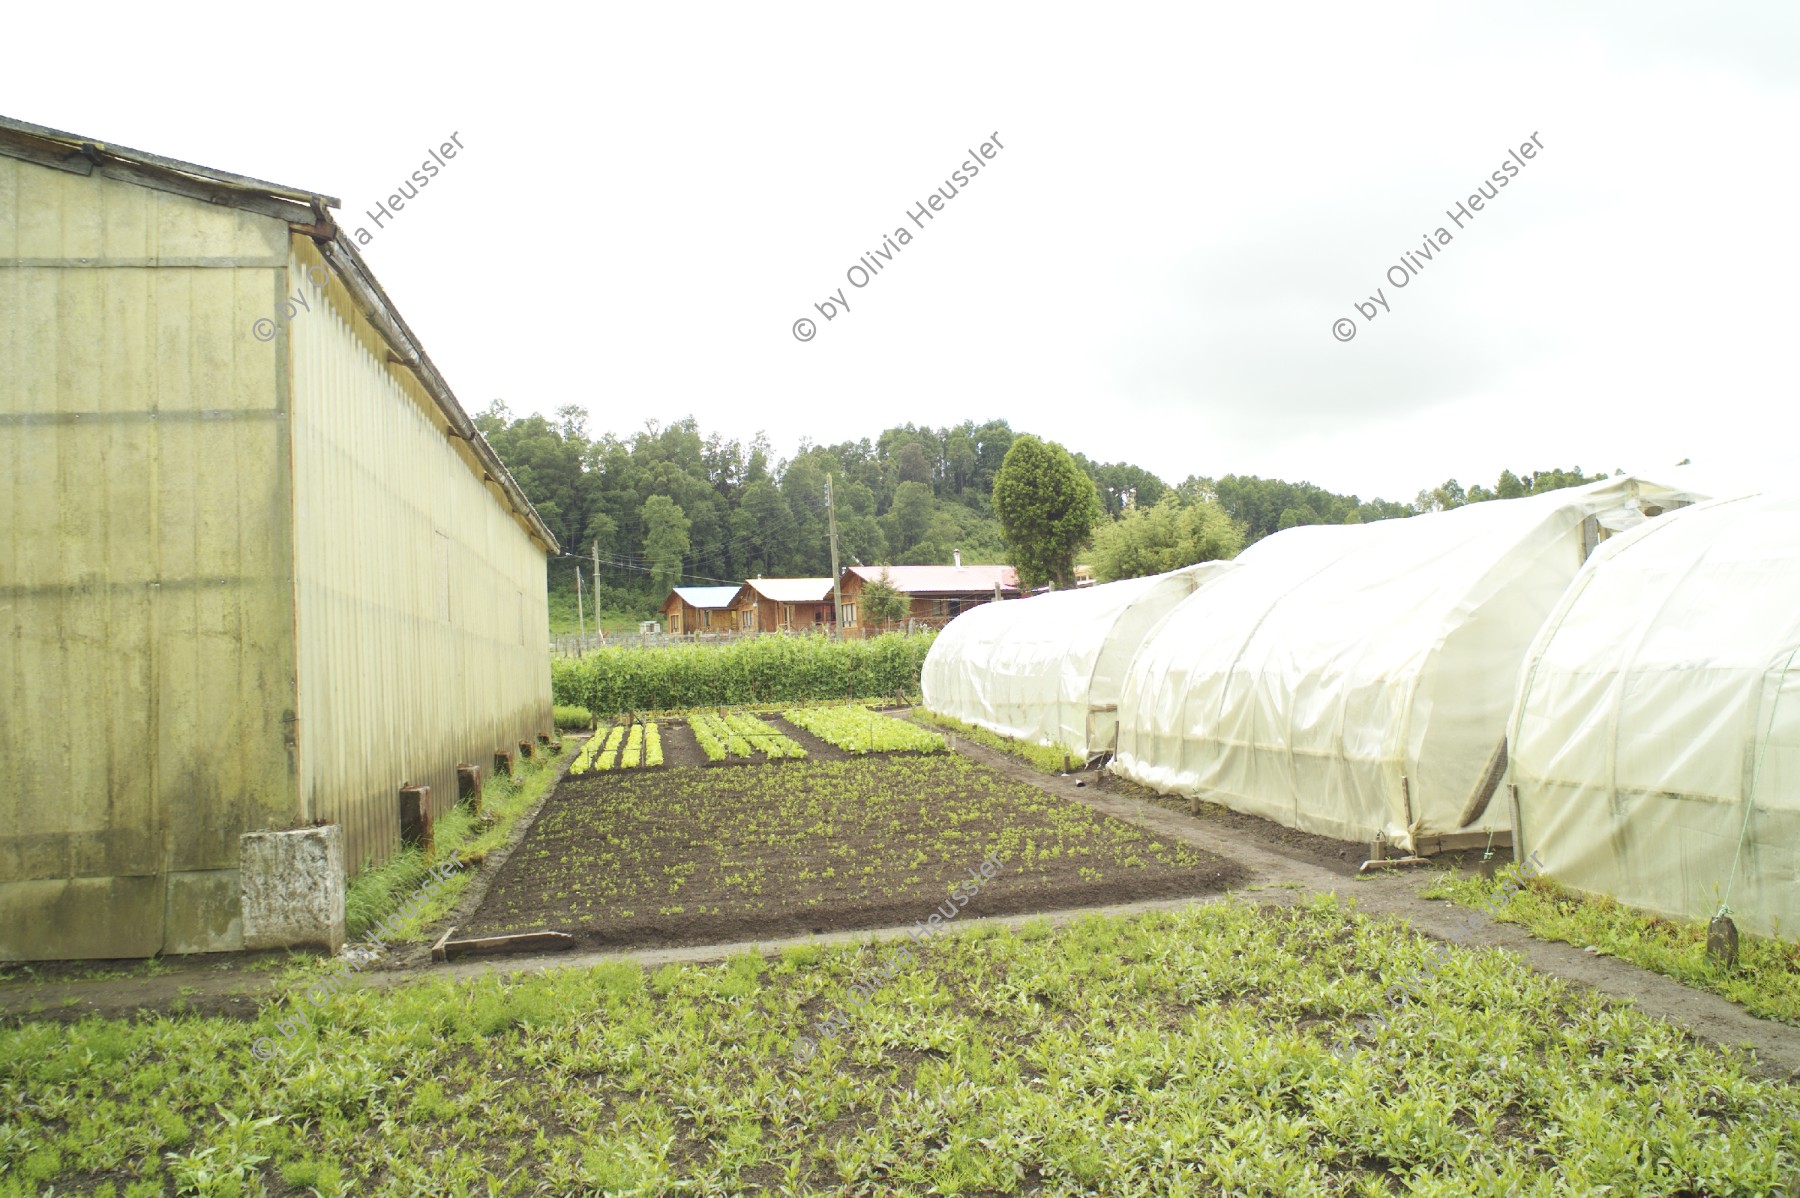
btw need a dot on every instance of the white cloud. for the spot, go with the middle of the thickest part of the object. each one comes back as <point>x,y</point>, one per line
<point>1186,201</point>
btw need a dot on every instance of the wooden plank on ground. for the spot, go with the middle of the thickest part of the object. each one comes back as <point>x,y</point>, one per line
<point>520,943</point>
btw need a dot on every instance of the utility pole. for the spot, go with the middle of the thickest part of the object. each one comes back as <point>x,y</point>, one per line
<point>580,620</point>
<point>596,577</point>
<point>837,589</point>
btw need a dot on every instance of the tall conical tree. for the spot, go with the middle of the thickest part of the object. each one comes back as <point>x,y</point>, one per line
<point>1047,507</point>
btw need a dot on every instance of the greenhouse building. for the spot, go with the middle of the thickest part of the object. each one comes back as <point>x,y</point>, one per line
<point>1049,669</point>
<point>1655,736</point>
<point>1354,681</point>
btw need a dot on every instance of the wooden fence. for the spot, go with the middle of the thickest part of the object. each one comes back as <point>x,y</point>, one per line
<point>574,645</point>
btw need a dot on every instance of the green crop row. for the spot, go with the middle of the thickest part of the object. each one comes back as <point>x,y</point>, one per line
<point>639,740</point>
<point>610,753</point>
<point>584,760</point>
<point>707,731</point>
<point>763,737</point>
<point>767,669</point>
<point>1046,759</point>
<point>739,734</point>
<point>859,730</point>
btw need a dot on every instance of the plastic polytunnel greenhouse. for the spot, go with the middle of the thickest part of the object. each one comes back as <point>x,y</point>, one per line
<point>1355,680</point>
<point>1049,669</point>
<point>1656,732</point>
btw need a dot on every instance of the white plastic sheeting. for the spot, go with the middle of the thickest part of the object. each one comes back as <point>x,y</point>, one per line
<point>1353,679</point>
<point>1049,669</point>
<point>1655,736</point>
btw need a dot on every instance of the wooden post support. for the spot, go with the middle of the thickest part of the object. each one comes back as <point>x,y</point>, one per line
<point>468,786</point>
<point>524,750</point>
<point>415,817</point>
<point>502,764</point>
<point>438,952</point>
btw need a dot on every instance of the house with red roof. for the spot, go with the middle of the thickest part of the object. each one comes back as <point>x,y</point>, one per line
<point>938,593</point>
<point>784,605</point>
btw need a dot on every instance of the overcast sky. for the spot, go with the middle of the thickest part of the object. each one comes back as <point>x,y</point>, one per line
<point>1187,198</point>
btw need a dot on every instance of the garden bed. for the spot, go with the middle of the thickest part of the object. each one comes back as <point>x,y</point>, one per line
<point>1217,1049</point>
<point>686,856</point>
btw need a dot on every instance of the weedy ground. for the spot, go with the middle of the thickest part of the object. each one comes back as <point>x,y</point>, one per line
<point>1180,1053</point>
<point>1046,759</point>
<point>705,855</point>
<point>1766,979</point>
<point>570,717</point>
<point>378,890</point>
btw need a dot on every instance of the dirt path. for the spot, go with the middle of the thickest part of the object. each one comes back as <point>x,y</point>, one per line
<point>1285,867</point>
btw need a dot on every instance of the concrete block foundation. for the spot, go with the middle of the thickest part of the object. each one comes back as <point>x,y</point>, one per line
<point>293,888</point>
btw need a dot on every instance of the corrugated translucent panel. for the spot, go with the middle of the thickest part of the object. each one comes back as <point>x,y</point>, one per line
<point>146,670</point>
<point>422,623</point>
<point>1656,730</point>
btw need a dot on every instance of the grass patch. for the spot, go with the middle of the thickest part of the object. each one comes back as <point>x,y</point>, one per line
<point>1766,981</point>
<point>612,619</point>
<point>569,716</point>
<point>1173,1053</point>
<point>1046,759</point>
<point>379,889</point>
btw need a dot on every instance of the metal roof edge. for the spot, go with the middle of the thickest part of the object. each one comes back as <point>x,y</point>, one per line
<point>96,153</point>
<point>306,213</point>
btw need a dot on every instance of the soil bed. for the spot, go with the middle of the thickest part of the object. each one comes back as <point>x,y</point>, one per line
<point>678,744</point>
<point>692,856</point>
<point>816,748</point>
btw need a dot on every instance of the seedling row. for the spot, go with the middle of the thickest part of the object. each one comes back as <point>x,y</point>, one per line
<point>740,734</point>
<point>630,745</point>
<point>859,730</point>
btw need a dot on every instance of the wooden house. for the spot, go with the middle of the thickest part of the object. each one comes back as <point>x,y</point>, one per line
<point>784,605</point>
<point>937,593</point>
<point>688,610</point>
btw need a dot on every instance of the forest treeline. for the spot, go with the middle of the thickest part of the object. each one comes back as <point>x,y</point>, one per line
<point>673,504</point>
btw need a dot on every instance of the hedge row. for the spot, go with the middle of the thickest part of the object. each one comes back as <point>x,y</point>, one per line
<point>764,669</point>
